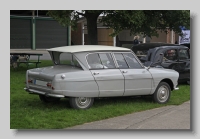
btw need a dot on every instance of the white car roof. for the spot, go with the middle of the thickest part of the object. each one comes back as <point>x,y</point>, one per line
<point>86,48</point>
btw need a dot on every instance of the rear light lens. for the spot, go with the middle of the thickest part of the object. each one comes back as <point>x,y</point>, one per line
<point>30,81</point>
<point>48,84</point>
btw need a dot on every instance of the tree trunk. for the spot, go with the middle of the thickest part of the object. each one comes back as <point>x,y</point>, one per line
<point>92,28</point>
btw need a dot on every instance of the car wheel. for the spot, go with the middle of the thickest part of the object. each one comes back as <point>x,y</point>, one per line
<point>188,82</point>
<point>46,99</point>
<point>162,93</point>
<point>81,102</point>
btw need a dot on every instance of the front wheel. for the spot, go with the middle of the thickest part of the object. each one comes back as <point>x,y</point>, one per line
<point>81,102</point>
<point>46,99</point>
<point>162,93</point>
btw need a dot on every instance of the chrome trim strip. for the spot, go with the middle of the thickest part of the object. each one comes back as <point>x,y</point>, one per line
<point>114,59</point>
<point>55,95</point>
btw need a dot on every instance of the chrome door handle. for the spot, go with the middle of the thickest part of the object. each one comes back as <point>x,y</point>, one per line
<point>96,73</point>
<point>124,71</point>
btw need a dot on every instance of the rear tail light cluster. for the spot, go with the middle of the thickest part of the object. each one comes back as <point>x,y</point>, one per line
<point>50,85</point>
<point>29,81</point>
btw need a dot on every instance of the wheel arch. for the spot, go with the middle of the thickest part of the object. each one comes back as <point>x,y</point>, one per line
<point>169,82</point>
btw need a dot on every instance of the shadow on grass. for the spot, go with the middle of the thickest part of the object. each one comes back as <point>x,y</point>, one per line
<point>36,103</point>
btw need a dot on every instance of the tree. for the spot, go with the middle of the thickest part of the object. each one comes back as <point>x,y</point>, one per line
<point>67,18</point>
<point>146,22</point>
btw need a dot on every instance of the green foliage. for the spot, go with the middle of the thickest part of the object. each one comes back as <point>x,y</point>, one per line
<point>145,22</point>
<point>65,17</point>
<point>28,112</point>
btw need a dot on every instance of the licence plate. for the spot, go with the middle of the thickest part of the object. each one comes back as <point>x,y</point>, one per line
<point>42,83</point>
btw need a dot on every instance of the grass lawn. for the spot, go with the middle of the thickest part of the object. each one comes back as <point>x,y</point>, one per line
<point>28,112</point>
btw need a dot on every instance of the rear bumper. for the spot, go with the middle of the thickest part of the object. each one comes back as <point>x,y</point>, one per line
<point>33,91</point>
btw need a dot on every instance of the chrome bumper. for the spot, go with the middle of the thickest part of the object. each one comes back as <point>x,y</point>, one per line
<point>33,91</point>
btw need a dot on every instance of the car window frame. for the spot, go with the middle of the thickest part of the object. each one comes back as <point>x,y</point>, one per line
<point>142,66</point>
<point>86,58</point>
<point>187,50</point>
<point>56,60</point>
<point>176,52</point>
<point>128,62</point>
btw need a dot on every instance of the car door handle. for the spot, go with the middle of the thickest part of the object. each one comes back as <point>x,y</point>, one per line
<point>96,73</point>
<point>124,71</point>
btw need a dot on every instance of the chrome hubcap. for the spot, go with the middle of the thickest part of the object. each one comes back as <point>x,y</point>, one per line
<point>83,102</point>
<point>163,93</point>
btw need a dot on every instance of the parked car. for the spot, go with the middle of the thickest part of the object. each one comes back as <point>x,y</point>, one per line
<point>175,57</point>
<point>82,73</point>
<point>186,44</point>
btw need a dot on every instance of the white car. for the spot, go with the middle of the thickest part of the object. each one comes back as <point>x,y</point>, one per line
<point>82,73</point>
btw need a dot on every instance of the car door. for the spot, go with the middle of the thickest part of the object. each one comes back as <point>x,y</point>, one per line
<point>138,80</point>
<point>109,79</point>
<point>184,64</point>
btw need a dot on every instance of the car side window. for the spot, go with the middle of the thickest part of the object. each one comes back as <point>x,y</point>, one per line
<point>170,55</point>
<point>183,54</point>
<point>94,61</point>
<point>132,62</point>
<point>121,61</point>
<point>107,60</point>
<point>100,61</point>
<point>65,59</point>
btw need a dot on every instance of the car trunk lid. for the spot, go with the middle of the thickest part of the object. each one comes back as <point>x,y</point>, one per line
<point>48,73</point>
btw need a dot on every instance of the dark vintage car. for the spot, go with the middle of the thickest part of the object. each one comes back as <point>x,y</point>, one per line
<point>164,55</point>
<point>186,44</point>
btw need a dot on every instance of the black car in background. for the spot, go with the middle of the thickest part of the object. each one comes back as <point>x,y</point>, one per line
<point>186,44</point>
<point>164,55</point>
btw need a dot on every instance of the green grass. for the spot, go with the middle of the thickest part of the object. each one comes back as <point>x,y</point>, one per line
<point>28,112</point>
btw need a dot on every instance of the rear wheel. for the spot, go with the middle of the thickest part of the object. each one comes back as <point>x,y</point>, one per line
<point>46,99</point>
<point>162,93</point>
<point>81,102</point>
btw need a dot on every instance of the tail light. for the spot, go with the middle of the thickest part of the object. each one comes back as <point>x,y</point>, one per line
<point>48,84</point>
<point>30,81</point>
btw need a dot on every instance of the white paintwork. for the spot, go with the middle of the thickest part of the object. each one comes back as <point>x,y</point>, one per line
<point>87,48</point>
<point>110,82</point>
<point>137,81</point>
<point>81,82</point>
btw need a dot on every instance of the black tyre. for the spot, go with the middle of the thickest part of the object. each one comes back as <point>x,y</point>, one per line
<point>162,93</point>
<point>81,102</point>
<point>46,99</point>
